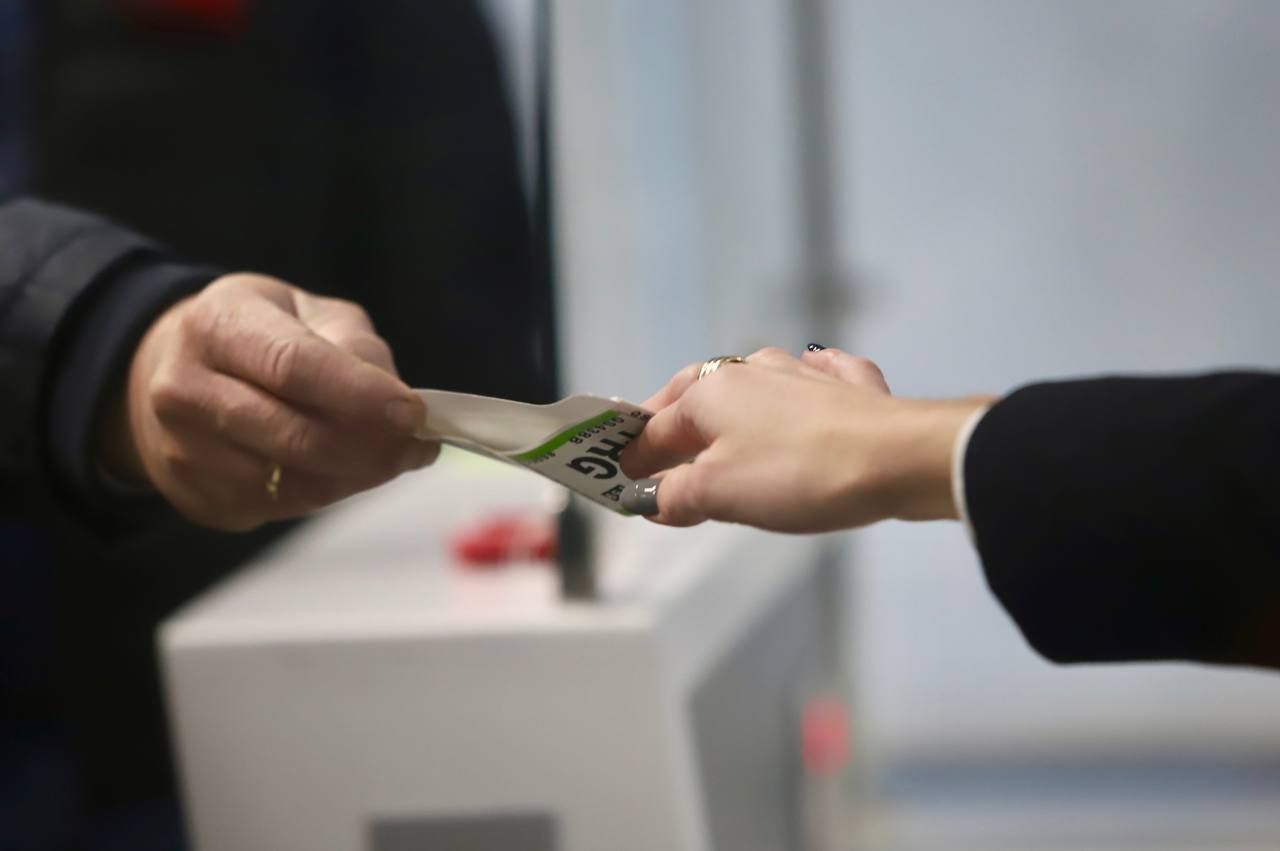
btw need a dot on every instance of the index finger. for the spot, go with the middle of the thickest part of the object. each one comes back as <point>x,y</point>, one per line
<point>347,325</point>
<point>670,438</point>
<point>258,342</point>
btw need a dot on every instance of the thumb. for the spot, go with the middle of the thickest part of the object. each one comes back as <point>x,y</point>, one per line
<point>674,499</point>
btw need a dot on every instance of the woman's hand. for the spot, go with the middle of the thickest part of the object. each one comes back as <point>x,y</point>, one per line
<point>794,444</point>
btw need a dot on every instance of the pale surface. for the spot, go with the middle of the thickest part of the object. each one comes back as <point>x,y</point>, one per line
<point>357,672</point>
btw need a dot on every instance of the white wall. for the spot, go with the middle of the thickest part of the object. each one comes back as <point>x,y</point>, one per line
<point>678,199</point>
<point>1028,189</point>
<point>1034,189</point>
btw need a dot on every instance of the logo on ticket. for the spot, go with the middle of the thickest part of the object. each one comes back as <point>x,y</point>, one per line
<point>578,443</point>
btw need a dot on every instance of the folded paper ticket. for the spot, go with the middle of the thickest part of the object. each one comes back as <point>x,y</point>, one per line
<point>576,442</point>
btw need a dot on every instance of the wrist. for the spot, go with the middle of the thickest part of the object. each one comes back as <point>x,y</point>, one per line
<point>921,449</point>
<point>118,448</point>
<point>117,453</point>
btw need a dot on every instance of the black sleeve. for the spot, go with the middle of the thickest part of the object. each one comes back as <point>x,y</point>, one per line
<point>76,294</point>
<point>1134,518</point>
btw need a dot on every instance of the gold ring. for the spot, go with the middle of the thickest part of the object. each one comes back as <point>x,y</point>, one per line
<point>710,366</point>
<point>273,482</point>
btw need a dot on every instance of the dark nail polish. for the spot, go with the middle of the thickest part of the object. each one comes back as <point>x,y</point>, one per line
<point>642,497</point>
<point>815,347</point>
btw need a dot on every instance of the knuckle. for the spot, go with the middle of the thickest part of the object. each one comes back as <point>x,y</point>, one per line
<point>378,345</point>
<point>233,286</point>
<point>866,368</point>
<point>355,335</point>
<point>717,384</point>
<point>769,353</point>
<point>230,412</point>
<point>354,310</point>
<point>280,365</point>
<point>175,457</point>
<point>225,284</point>
<point>684,417</point>
<point>169,396</point>
<point>366,345</point>
<point>735,375</point>
<point>863,363</point>
<point>298,439</point>
<point>201,319</point>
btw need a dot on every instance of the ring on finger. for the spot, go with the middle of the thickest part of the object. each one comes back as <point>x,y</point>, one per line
<point>273,482</point>
<point>711,365</point>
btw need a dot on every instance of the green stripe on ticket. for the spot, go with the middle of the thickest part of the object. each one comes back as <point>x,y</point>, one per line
<point>564,437</point>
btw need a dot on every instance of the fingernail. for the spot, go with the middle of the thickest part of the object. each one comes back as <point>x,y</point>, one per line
<point>642,497</point>
<point>405,415</point>
<point>815,347</point>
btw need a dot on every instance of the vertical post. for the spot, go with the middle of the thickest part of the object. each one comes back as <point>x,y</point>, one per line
<point>827,289</point>
<point>575,557</point>
<point>827,292</point>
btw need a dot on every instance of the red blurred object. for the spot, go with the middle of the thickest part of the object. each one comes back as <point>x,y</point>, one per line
<point>215,17</point>
<point>498,540</point>
<point>824,735</point>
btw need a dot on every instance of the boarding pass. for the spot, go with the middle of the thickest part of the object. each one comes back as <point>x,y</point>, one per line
<point>576,442</point>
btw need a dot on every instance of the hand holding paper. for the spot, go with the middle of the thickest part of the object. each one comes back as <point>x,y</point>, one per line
<point>808,444</point>
<point>254,400</point>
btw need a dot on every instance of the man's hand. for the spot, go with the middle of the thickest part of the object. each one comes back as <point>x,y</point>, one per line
<point>251,373</point>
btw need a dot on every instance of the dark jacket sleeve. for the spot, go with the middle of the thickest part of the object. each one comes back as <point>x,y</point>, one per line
<point>1134,518</point>
<point>76,294</point>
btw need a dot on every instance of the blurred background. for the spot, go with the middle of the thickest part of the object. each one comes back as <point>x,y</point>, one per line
<point>973,193</point>
<point>976,195</point>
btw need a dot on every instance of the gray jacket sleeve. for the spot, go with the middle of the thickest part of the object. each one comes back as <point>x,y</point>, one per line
<point>76,294</point>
